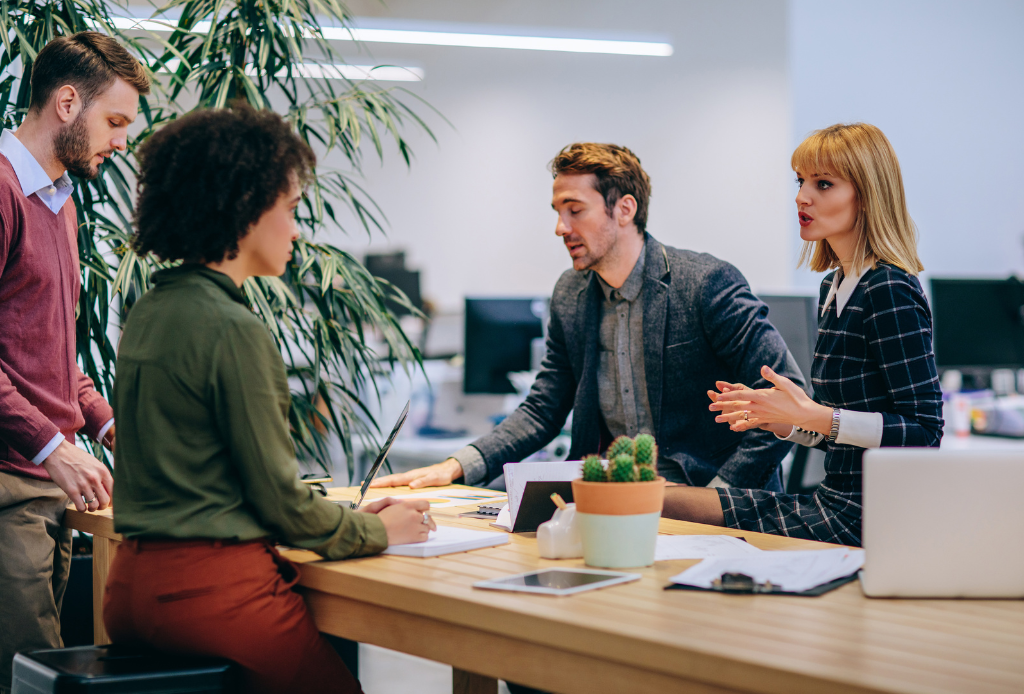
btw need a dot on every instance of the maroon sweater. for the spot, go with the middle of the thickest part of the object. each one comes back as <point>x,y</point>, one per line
<point>42,390</point>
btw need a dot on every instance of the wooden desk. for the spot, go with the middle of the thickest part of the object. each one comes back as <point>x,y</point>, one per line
<point>639,638</point>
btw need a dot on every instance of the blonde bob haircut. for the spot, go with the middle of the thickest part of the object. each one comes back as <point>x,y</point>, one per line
<point>861,154</point>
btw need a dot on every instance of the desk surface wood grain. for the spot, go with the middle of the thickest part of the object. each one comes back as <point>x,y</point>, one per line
<point>838,642</point>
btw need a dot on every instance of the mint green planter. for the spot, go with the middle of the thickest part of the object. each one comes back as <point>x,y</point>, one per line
<point>618,542</point>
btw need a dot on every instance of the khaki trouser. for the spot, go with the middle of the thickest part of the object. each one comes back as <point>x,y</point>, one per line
<point>35,557</point>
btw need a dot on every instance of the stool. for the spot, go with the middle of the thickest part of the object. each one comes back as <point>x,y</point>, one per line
<point>121,669</point>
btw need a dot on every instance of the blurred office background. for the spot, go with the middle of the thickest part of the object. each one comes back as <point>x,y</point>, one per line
<point>714,124</point>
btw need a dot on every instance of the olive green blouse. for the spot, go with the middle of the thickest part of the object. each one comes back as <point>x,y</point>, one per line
<point>202,449</point>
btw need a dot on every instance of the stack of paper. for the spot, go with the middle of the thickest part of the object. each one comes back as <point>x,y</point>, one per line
<point>792,572</point>
<point>701,547</point>
<point>448,540</point>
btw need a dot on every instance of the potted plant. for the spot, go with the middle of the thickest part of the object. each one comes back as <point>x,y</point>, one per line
<point>618,506</point>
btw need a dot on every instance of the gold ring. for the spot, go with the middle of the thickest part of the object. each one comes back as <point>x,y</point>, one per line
<point>746,415</point>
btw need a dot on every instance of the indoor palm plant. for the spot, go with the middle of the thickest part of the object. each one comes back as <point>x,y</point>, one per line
<point>326,306</point>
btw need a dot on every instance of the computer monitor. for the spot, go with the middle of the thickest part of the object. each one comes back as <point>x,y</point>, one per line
<point>391,267</point>
<point>796,319</point>
<point>978,323</point>
<point>499,339</point>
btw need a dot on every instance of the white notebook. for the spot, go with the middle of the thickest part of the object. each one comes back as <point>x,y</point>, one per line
<point>448,540</point>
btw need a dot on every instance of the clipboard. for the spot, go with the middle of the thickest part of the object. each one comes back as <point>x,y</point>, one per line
<point>741,584</point>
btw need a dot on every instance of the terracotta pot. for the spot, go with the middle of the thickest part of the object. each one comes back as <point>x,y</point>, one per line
<point>618,521</point>
<point>619,498</point>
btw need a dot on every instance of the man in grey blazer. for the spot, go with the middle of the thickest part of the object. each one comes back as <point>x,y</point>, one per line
<point>639,332</point>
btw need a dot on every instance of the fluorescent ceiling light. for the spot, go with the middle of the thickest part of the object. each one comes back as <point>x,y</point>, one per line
<point>443,38</point>
<point>526,43</point>
<point>382,73</point>
<point>337,71</point>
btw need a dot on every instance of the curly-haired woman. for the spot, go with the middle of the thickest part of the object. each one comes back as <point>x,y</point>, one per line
<point>206,473</point>
<point>873,373</point>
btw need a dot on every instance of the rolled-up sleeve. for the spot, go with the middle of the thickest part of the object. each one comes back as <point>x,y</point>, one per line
<point>250,393</point>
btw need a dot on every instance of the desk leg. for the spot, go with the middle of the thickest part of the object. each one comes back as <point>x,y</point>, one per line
<point>103,551</point>
<point>471,683</point>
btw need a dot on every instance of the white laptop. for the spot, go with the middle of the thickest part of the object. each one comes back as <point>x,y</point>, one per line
<point>943,523</point>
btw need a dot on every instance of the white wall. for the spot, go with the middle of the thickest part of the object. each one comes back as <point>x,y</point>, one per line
<point>711,125</point>
<point>945,82</point>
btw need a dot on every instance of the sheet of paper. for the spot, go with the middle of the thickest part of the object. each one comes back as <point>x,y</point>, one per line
<point>790,571</point>
<point>453,497</point>
<point>701,547</point>
<point>446,540</point>
<point>504,520</point>
<point>518,474</point>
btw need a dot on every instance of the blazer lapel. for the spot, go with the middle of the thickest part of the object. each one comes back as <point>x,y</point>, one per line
<point>655,298</point>
<point>586,433</point>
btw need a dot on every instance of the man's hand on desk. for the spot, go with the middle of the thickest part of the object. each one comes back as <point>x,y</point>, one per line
<point>404,521</point>
<point>85,480</point>
<point>431,476</point>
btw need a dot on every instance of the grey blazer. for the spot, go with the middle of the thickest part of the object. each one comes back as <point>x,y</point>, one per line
<point>701,324</point>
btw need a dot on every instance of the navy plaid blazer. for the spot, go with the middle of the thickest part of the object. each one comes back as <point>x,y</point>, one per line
<point>876,357</point>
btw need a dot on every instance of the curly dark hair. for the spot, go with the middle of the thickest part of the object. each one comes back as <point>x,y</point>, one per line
<point>205,178</point>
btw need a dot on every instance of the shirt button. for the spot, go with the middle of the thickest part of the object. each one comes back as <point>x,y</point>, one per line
<point>52,190</point>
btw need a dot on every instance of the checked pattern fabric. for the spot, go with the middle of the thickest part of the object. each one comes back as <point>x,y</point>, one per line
<point>876,357</point>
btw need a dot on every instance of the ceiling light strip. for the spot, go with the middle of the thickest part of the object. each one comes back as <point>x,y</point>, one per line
<point>440,38</point>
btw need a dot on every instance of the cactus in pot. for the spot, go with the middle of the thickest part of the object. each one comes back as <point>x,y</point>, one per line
<point>618,508</point>
<point>593,470</point>
<point>623,445</point>
<point>647,474</point>
<point>622,469</point>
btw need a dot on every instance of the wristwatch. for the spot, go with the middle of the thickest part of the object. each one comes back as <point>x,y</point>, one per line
<point>835,425</point>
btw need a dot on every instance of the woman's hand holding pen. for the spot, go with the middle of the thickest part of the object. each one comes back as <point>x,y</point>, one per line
<point>404,521</point>
<point>776,409</point>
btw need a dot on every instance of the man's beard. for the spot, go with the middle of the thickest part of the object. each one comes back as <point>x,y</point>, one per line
<point>71,148</point>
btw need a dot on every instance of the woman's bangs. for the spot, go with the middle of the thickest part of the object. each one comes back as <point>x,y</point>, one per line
<point>820,154</point>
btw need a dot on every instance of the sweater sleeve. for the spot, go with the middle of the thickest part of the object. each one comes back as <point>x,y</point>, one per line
<point>95,409</point>
<point>22,426</point>
<point>250,394</point>
<point>898,329</point>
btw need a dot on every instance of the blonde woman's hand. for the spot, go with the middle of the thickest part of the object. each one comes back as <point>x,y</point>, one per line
<point>776,409</point>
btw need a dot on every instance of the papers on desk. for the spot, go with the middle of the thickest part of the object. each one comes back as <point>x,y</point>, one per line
<point>671,547</point>
<point>453,497</point>
<point>448,540</point>
<point>792,572</point>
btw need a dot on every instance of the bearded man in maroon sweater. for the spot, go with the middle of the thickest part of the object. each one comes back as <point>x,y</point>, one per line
<point>85,94</point>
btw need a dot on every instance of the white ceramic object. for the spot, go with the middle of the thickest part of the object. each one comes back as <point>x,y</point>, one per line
<point>617,542</point>
<point>559,538</point>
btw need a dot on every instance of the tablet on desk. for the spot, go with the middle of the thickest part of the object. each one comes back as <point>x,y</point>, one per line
<point>558,581</point>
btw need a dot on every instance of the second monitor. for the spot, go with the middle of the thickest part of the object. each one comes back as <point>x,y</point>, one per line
<point>500,338</point>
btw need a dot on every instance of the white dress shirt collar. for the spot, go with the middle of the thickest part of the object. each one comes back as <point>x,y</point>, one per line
<point>32,177</point>
<point>842,291</point>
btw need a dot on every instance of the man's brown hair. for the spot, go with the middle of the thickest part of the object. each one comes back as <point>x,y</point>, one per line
<point>89,61</point>
<point>617,170</point>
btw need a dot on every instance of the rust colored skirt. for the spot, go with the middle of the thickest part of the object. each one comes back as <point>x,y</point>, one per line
<point>230,600</point>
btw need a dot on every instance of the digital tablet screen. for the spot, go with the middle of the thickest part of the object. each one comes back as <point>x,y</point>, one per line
<point>555,579</point>
<point>558,581</point>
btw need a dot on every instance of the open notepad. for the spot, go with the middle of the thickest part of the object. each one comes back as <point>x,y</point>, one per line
<point>448,540</point>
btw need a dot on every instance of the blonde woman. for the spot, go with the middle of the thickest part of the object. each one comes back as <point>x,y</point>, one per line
<point>874,375</point>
